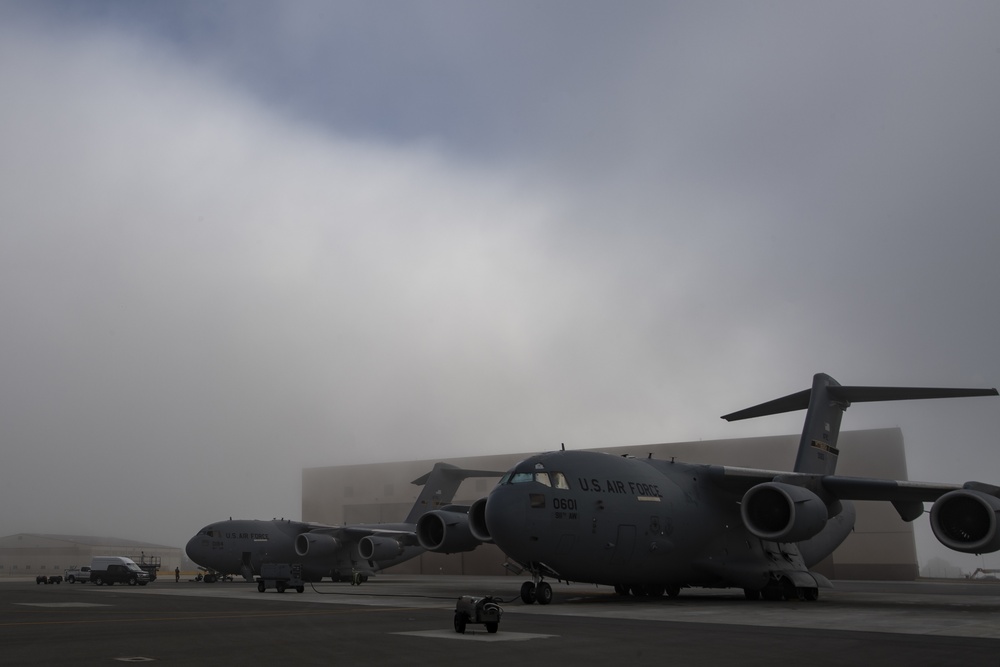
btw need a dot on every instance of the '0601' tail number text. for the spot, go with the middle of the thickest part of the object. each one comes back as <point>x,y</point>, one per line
<point>564,503</point>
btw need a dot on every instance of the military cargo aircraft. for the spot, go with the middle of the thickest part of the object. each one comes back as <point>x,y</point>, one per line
<point>344,553</point>
<point>649,527</point>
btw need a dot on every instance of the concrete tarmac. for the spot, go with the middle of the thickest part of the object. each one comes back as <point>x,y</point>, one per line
<point>408,620</point>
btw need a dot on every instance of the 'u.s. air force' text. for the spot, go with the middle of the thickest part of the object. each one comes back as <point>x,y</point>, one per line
<point>618,486</point>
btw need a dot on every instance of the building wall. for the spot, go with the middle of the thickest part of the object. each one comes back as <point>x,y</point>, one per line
<point>881,547</point>
<point>29,555</point>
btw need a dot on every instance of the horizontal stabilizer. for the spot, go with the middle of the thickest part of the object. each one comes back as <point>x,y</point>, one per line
<point>454,472</point>
<point>848,395</point>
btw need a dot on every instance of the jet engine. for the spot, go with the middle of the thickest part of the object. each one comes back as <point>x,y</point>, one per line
<point>373,547</point>
<point>445,532</point>
<point>477,522</point>
<point>316,545</point>
<point>966,520</point>
<point>782,512</point>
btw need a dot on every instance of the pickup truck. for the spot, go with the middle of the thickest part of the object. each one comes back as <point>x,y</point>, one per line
<point>75,574</point>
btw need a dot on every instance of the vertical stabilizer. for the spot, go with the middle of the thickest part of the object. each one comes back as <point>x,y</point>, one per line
<point>440,486</point>
<point>818,451</point>
<point>825,403</point>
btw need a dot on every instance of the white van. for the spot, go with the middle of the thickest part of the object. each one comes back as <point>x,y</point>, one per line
<point>112,570</point>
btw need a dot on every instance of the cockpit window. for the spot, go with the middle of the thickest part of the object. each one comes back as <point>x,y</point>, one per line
<point>559,481</point>
<point>551,479</point>
<point>505,479</point>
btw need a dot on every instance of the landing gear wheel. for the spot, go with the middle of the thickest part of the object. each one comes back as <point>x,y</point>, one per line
<point>621,589</point>
<point>492,628</point>
<point>300,589</point>
<point>528,593</point>
<point>655,590</point>
<point>751,594</point>
<point>459,622</point>
<point>261,587</point>
<point>543,592</point>
<point>810,594</point>
<point>673,591</point>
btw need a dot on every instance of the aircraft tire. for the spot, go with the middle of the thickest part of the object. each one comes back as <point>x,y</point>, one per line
<point>751,594</point>
<point>655,590</point>
<point>492,628</point>
<point>543,593</point>
<point>621,589</point>
<point>459,622</point>
<point>810,594</point>
<point>300,589</point>
<point>673,591</point>
<point>528,593</point>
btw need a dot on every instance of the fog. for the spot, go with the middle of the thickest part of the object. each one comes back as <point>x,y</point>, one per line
<point>239,239</point>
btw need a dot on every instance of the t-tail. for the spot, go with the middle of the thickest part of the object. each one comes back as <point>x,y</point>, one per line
<point>440,486</point>
<point>825,403</point>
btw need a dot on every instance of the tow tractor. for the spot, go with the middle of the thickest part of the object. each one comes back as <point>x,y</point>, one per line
<point>485,610</point>
<point>281,576</point>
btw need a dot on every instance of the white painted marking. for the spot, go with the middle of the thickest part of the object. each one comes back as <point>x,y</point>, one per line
<point>61,604</point>
<point>477,635</point>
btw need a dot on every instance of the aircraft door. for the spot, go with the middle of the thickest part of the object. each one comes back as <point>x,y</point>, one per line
<point>624,545</point>
<point>246,566</point>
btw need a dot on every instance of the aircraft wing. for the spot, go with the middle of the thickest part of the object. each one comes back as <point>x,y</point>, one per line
<point>356,533</point>
<point>740,480</point>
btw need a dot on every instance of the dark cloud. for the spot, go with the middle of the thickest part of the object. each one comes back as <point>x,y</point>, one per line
<point>243,239</point>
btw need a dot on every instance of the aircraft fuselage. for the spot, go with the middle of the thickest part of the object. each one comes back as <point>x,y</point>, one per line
<point>587,516</point>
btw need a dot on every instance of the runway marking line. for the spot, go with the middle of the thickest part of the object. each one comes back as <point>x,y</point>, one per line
<point>210,617</point>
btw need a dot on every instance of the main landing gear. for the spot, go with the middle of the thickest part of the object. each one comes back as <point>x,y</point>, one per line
<point>532,592</point>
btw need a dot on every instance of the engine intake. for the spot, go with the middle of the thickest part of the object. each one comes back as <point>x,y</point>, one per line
<point>446,532</point>
<point>477,522</point>
<point>966,520</point>
<point>316,545</point>
<point>782,512</point>
<point>373,547</point>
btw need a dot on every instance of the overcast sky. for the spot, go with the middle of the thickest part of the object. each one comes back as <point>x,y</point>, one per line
<point>242,238</point>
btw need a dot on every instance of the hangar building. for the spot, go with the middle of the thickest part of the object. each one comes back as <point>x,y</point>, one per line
<point>881,547</point>
<point>29,554</point>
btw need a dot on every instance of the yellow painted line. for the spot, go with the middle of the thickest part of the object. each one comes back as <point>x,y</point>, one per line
<point>220,616</point>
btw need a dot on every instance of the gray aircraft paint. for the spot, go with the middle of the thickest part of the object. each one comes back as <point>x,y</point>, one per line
<point>241,546</point>
<point>649,526</point>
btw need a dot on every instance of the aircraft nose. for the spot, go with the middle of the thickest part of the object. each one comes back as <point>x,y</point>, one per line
<point>504,518</point>
<point>193,548</point>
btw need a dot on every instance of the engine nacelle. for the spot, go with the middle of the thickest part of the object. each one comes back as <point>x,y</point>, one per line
<point>316,545</point>
<point>966,520</point>
<point>376,548</point>
<point>477,522</point>
<point>445,532</point>
<point>782,512</point>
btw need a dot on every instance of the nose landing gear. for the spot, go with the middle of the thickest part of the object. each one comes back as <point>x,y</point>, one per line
<point>532,592</point>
